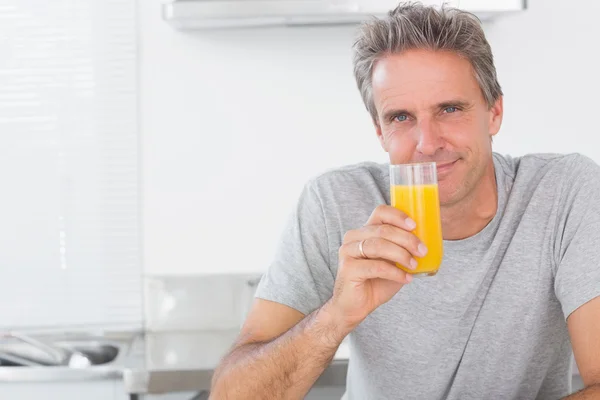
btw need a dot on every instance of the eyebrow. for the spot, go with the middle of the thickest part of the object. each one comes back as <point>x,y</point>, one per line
<point>447,103</point>
<point>452,103</point>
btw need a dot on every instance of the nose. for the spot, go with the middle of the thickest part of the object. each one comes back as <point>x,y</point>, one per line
<point>429,137</point>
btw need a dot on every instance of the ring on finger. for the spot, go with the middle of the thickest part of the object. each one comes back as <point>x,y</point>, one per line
<point>361,249</point>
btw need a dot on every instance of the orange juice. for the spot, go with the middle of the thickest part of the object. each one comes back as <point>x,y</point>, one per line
<point>422,204</point>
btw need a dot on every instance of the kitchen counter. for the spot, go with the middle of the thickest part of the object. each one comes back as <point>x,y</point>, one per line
<point>130,354</point>
<point>140,381</point>
<point>154,363</point>
<point>185,361</point>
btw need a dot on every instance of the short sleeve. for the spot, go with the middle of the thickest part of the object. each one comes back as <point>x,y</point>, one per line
<point>577,278</point>
<point>300,276</point>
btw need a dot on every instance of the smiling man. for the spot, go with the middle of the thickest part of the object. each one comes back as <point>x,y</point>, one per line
<point>520,279</point>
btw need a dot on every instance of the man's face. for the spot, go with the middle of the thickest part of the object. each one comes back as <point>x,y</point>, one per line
<point>430,108</point>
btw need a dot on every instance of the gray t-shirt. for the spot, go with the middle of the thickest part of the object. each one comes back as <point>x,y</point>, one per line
<point>492,322</point>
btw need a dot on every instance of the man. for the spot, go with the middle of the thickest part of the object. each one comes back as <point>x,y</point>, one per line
<point>520,279</point>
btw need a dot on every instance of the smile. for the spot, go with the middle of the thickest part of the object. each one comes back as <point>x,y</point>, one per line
<point>444,169</point>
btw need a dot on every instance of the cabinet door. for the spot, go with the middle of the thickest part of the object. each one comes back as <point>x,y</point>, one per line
<point>484,6</point>
<point>119,393</point>
<point>171,396</point>
<point>489,5</point>
<point>100,390</point>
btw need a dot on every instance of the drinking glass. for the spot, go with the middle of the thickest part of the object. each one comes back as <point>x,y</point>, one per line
<point>414,190</point>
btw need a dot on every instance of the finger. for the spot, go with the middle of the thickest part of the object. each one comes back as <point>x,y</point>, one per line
<point>380,249</point>
<point>374,269</point>
<point>385,214</point>
<point>400,237</point>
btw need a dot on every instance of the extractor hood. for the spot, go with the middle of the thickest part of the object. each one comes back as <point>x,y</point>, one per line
<point>198,14</point>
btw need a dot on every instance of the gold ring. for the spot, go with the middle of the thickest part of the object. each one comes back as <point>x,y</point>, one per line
<point>362,251</point>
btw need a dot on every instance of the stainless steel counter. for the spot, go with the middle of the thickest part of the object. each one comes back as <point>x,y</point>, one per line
<point>141,381</point>
<point>185,361</point>
<point>155,363</point>
<point>129,354</point>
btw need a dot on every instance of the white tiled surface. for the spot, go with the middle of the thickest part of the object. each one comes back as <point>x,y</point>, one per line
<point>183,350</point>
<point>195,303</point>
<point>197,350</point>
<point>192,321</point>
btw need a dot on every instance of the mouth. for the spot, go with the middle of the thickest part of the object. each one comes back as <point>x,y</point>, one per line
<point>445,168</point>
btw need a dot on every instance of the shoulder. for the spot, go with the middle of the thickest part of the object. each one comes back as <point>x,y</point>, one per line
<point>348,195</point>
<point>557,168</point>
<point>580,179</point>
<point>564,162</point>
<point>365,175</point>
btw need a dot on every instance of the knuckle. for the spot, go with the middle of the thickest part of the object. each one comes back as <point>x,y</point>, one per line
<point>383,230</point>
<point>343,264</point>
<point>375,245</point>
<point>346,238</point>
<point>380,209</point>
<point>343,250</point>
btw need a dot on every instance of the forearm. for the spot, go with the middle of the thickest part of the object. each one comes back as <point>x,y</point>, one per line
<point>589,393</point>
<point>283,368</point>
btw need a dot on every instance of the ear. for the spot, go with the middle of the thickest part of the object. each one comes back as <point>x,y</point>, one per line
<point>379,134</point>
<point>496,114</point>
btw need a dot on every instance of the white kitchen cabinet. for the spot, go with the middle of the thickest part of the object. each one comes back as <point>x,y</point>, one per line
<point>488,5</point>
<point>120,393</point>
<point>202,14</point>
<point>170,396</point>
<point>90,390</point>
<point>484,8</point>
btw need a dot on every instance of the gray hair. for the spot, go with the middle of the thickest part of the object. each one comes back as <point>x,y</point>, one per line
<point>415,26</point>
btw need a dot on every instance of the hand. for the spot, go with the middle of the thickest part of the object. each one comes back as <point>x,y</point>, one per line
<point>363,284</point>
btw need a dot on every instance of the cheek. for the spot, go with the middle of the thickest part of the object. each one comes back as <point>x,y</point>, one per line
<point>478,129</point>
<point>400,148</point>
<point>467,136</point>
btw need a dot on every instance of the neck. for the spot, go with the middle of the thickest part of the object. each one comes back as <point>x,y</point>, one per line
<point>469,216</point>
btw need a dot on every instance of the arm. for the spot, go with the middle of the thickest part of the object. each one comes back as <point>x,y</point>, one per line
<point>577,278</point>
<point>280,354</point>
<point>267,365</point>
<point>589,393</point>
<point>584,329</point>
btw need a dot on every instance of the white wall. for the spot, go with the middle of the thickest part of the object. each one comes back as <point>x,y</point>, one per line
<point>548,61</point>
<point>69,232</point>
<point>233,122</point>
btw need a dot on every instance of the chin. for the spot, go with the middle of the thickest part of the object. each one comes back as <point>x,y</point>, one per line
<point>449,192</point>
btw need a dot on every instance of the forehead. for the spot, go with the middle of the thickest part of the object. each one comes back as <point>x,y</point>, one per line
<point>423,76</point>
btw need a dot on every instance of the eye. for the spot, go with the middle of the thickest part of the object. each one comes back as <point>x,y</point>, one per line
<point>450,110</point>
<point>400,118</point>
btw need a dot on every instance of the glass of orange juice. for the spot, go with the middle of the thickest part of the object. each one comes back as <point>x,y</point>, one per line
<point>414,190</point>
